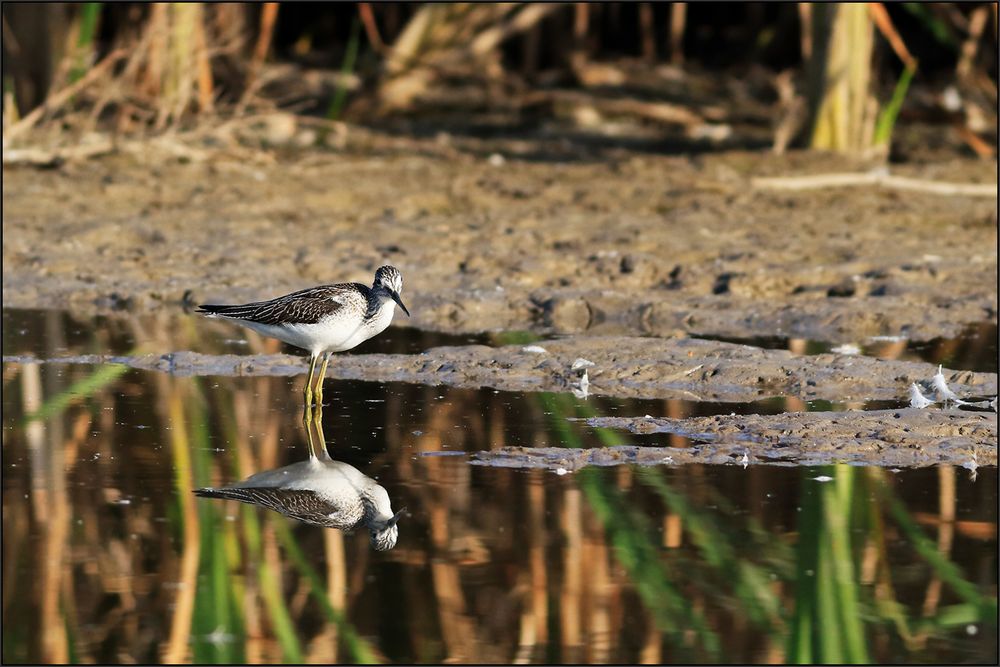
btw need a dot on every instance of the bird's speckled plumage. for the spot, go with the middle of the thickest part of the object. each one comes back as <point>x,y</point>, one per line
<point>320,492</point>
<point>308,306</point>
<point>324,319</point>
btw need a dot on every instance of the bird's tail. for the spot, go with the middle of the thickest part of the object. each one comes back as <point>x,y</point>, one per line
<point>228,494</point>
<point>224,311</point>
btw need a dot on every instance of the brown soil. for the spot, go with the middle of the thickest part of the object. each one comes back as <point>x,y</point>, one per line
<point>623,367</point>
<point>907,437</point>
<point>604,240</point>
<point>604,243</point>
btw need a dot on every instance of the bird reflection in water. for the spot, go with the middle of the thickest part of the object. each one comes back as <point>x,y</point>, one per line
<point>321,492</point>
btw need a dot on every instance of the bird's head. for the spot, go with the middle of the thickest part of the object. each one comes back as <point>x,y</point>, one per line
<point>384,533</point>
<point>389,281</point>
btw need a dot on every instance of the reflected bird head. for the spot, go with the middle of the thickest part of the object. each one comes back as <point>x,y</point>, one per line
<point>384,535</point>
<point>389,280</point>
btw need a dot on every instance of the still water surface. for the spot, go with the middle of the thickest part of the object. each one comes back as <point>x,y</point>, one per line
<point>108,556</point>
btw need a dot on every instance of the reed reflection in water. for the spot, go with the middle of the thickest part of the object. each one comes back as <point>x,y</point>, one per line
<point>109,556</point>
<point>319,491</point>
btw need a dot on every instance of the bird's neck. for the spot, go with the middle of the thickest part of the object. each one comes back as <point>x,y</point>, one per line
<point>378,302</point>
<point>376,510</point>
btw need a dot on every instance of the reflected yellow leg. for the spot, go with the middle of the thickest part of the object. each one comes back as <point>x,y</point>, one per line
<point>307,417</point>
<point>314,420</point>
<point>322,374</point>
<point>318,423</point>
<point>309,380</point>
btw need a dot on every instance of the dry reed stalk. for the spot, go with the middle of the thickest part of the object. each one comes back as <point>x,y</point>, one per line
<point>57,100</point>
<point>678,19</point>
<point>977,24</point>
<point>842,58</point>
<point>875,178</point>
<point>946,534</point>
<point>571,597</point>
<point>451,38</point>
<point>205,94</point>
<point>176,649</point>
<point>538,583</point>
<point>581,24</point>
<point>527,18</point>
<point>647,31</point>
<point>268,19</point>
<point>371,27</point>
<point>978,145</point>
<point>882,21</point>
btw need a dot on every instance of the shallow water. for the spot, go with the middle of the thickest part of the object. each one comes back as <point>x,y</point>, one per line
<point>974,350</point>
<point>108,556</point>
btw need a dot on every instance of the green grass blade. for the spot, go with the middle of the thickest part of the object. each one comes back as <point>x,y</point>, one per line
<point>359,650</point>
<point>77,391</point>
<point>944,568</point>
<point>90,12</point>
<point>887,117</point>
<point>346,67</point>
<point>629,533</point>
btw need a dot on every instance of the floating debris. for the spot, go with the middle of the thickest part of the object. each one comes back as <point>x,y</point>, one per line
<point>822,478</point>
<point>918,400</point>
<point>745,460</point>
<point>944,393</point>
<point>846,348</point>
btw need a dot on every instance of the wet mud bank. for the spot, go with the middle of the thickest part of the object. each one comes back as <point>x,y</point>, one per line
<point>606,243</point>
<point>904,438</point>
<point>624,367</point>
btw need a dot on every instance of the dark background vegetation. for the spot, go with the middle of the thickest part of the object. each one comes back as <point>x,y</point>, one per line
<point>338,60</point>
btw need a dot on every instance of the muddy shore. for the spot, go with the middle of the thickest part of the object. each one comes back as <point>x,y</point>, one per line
<point>625,254</point>
<point>623,367</point>
<point>489,236</point>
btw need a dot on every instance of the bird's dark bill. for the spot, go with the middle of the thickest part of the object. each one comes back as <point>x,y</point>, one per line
<point>395,297</point>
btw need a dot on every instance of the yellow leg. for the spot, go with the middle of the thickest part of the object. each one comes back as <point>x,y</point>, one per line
<point>322,374</point>
<point>314,420</point>
<point>309,380</point>
<point>318,424</point>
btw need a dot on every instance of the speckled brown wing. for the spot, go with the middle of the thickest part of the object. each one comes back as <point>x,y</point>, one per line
<point>303,505</point>
<point>307,306</point>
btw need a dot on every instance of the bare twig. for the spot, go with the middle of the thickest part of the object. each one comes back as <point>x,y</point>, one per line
<point>371,28</point>
<point>884,24</point>
<point>980,147</point>
<point>977,23</point>
<point>268,17</point>
<point>875,178</point>
<point>60,98</point>
<point>40,157</point>
<point>490,38</point>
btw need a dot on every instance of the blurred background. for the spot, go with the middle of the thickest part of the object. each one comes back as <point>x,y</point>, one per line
<point>701,75</point>
<point>536,171</point>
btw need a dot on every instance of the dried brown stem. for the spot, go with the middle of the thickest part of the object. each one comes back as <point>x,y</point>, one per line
<point>371,28</point>
<point>875,178</point>
<point>884,24</point>
<point>60,98</point>
<point>678,19</point>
